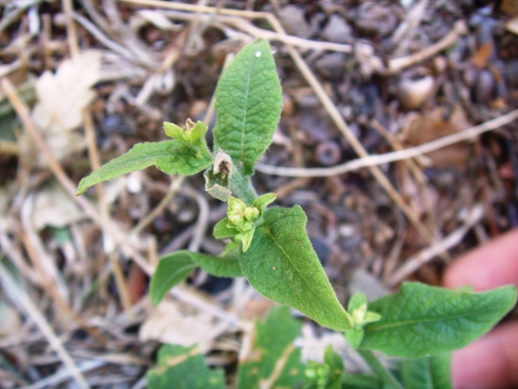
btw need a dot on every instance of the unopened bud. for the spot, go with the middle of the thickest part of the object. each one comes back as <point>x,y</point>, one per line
<point>251,213</point>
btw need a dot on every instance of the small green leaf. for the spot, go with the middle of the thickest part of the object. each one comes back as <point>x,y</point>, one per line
<point>170,156</point>
<point>231,250</point>
<point>263,201</point>
<point>282,265</point>
<point>170,271</point>
<point>173,268</point>
<point>432,372</point>
<point>183,368</point>
<point>221,230</point>
<point>246,239</point>
<point>354,337</point>
<point>422,320</point>
<point>273,362</point>
<point>174,131</point>
<point>357,301</point>
<point>217,266</point>
<point>249,104</point>
<point>193,134</point>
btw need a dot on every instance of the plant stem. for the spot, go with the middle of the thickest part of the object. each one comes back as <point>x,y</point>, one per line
<point>381,371</point>
<point>242,187</point>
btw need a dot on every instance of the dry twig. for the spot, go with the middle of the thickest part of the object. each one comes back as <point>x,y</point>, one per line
<point>418,260</point>
<point>412,152</point>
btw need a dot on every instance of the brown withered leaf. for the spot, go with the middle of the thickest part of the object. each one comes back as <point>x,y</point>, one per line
<point>424,128</point>
<point>61,98</point>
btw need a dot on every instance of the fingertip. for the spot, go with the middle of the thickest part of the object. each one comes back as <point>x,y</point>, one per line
<point>489,266</point>
<point>490,362</point>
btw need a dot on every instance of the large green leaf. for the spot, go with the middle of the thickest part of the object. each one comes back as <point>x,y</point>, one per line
<point>173,268</point>
<point>249,104</point>
<point>422,320</point>
<point>282,265</point>
<point>273,362</point>
<point>170,271</point>
<point>183,368</point>
<point>432,372</point>
<point>170,156</point>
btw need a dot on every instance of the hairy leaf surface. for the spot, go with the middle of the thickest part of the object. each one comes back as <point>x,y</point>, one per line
<point>282,265</point>
<point>249,104</point>
<point>175,267</point>
<point>170,271</point>
<point>170,156</point>
<point>422,320</point>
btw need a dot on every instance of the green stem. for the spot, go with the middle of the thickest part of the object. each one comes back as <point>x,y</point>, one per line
<point>242,187</point>
<point>381,371</point>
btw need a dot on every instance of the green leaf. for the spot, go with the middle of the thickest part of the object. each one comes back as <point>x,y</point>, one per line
<point>175,267</point>
<point>282,265</point>
<point>432,372</point>
<point>263,201</point>
<point>354,337</point>
<point>246,238</point>
<point>221,230</point>
<point>174,131</point>
<point>273,362</point>
<point>170,156</point>
<point>358,381</point>
<point>249,104</point>
<point>217,266</point>
<point>183,368</point>
<point>170,271</point>
<point>421,320</point>
<point>384,374</point>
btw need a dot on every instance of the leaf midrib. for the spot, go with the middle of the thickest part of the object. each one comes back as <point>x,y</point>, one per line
<point>272,237</point>
<point>383,327</point>
<point>245,109</point>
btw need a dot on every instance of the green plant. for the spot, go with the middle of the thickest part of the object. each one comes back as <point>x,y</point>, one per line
<point>269,245</point>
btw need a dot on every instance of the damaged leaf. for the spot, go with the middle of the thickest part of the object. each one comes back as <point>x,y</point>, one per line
<point>183,368</point>
<point>273,361</point>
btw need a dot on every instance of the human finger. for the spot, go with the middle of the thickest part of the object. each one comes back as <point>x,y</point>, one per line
<point>490,362</point>
<point>489,266</point>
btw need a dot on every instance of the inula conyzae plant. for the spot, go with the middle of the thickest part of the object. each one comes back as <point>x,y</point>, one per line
<point>270,247</point>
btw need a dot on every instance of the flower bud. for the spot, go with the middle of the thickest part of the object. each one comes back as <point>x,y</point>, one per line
<point>251,213</point>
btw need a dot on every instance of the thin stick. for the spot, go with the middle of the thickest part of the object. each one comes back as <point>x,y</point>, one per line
<point>418,260</point>
<point>71,27</point>
<point>173,190</point>
<point>19,295</point>
<point>285,38</point>
<point>9,148</point>
<point>395,65</point>
<point>397,145</point>
<point>372,160</point>
<point>197,8</point>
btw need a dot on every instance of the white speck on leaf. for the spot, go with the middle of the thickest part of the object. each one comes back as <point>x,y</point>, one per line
<point>258,54</point>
